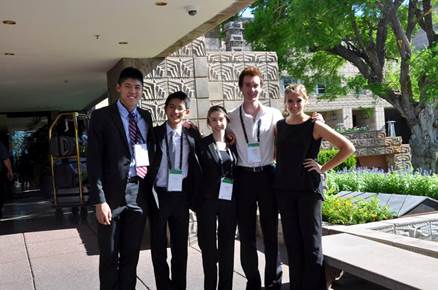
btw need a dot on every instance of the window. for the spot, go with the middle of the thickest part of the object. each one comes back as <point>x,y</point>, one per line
<point>320,89</point>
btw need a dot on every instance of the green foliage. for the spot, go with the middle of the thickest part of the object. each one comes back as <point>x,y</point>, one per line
<point>425,70</point>
<point>306,34</point>
<point>326,155</point>
<point>392,182</point>
<point>338,210</point>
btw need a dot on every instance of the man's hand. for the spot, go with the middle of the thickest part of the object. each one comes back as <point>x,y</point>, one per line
<point>103,213</point>
<point>318,117</point>
<point>231,137</point>
<point>189,124</point>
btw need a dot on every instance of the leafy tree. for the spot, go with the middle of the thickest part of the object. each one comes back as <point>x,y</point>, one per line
<point>314,38</point>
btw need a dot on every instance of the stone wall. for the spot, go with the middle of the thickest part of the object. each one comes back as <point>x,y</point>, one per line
<point>208,77</point>
<point>376,144</point>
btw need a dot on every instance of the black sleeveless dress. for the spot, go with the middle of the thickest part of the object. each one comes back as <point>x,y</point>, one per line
<point>294,144</point>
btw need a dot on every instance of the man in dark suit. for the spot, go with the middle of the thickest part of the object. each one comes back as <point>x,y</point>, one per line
<point>174,174</point>
<point>119,137</point>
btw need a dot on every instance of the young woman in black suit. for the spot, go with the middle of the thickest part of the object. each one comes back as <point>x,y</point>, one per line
<point>216,203</point>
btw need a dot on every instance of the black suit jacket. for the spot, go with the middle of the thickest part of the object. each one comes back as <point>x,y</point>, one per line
<point>194,171</point>
<point>211,171</point>
<point>108,157</point>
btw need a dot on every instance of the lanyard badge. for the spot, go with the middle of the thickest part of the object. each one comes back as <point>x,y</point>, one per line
<point>141,155</point>
<point>226,189</point>
<point>253,149</point>
<point>175,180</point>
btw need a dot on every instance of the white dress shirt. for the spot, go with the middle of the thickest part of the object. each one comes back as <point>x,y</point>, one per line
<point>269,117</point>
<point>161,179</point>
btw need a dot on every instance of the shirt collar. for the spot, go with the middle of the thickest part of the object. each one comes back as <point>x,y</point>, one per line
<point>259,114</point>
<point>124,112</point>
<point>177,131</point>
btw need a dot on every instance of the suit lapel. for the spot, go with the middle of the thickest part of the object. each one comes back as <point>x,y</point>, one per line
<point>161,134</point>
<point>190,139</point>
<point>144,116</point>
<point>212,149</point>
<point>117,119</point>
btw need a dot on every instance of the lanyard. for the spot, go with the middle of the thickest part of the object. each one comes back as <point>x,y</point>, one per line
<point>259,122</point>
<point>180,151</point>
<point>223,173</point>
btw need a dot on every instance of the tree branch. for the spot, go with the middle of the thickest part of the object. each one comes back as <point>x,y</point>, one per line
<point>404,99</point>
<point>381,35</point>
<point>351,57</point>
<point>411,22</point>
<point>424,19</point>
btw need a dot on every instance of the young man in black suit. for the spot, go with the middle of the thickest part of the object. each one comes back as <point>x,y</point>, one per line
<point>174,173</point>
<point>119,137</point>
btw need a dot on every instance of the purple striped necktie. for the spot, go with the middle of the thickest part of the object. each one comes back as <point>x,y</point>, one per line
<point>133,138</point>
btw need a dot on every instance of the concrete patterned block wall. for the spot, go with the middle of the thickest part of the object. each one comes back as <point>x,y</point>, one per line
<point>208,77</point>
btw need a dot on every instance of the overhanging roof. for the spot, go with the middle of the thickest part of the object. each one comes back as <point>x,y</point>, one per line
<point>64,48</point>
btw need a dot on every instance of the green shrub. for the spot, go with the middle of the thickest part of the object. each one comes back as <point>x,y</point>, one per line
<point>343,211</point>
<point>338,210</point>
<point>375,181</point>
<point>327,154</point>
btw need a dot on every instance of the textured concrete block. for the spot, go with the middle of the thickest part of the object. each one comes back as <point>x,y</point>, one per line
<point>215,91</point>
<point>230,105</point>
<point>180,67</point>
<point>203,127</point>
<point>193,114</point>
<point>203,106</point>
<point>201,66</point>
<point>201,85</point>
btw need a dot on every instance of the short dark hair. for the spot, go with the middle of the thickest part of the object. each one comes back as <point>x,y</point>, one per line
<point>130,73</point>
<point>251,71</point>
<point>180,96</point>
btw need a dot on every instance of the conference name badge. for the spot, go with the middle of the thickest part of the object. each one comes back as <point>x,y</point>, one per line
<point>254,153</point>
<point>226,189</point>
<point>174,183</point>
<point>141,155</point>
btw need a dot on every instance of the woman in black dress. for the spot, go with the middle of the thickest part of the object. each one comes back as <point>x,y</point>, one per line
<point>216,204</point>
<point>299,188</point>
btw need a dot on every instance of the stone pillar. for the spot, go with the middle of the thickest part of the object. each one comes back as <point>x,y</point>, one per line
<point>234,36</point>
<point>347,117</point>
<point>379,118</point>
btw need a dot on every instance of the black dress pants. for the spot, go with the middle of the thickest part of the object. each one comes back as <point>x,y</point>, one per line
<point>173,211</point>
<point>224,212</point>
<point>255,189</point>
<point>119,245</point>
<point>302,221</point>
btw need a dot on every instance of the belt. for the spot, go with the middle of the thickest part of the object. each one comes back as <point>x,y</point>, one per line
<point>133,179</point>
<point>255,169</point>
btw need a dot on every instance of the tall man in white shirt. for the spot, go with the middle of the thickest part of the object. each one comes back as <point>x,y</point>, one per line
<point>253,126</point>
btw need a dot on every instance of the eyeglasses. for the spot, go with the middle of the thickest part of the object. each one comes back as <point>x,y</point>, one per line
<point>178,109</point>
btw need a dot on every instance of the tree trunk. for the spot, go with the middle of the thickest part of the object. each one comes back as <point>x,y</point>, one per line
<point>424,142</point>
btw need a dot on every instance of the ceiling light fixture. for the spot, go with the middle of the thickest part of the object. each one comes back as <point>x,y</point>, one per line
<point>9,53</point>
<point>123,42</point>
<point>161,3</point>
<point>9,22</point>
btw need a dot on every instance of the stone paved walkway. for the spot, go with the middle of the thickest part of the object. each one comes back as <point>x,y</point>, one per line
<point>40,252</point>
